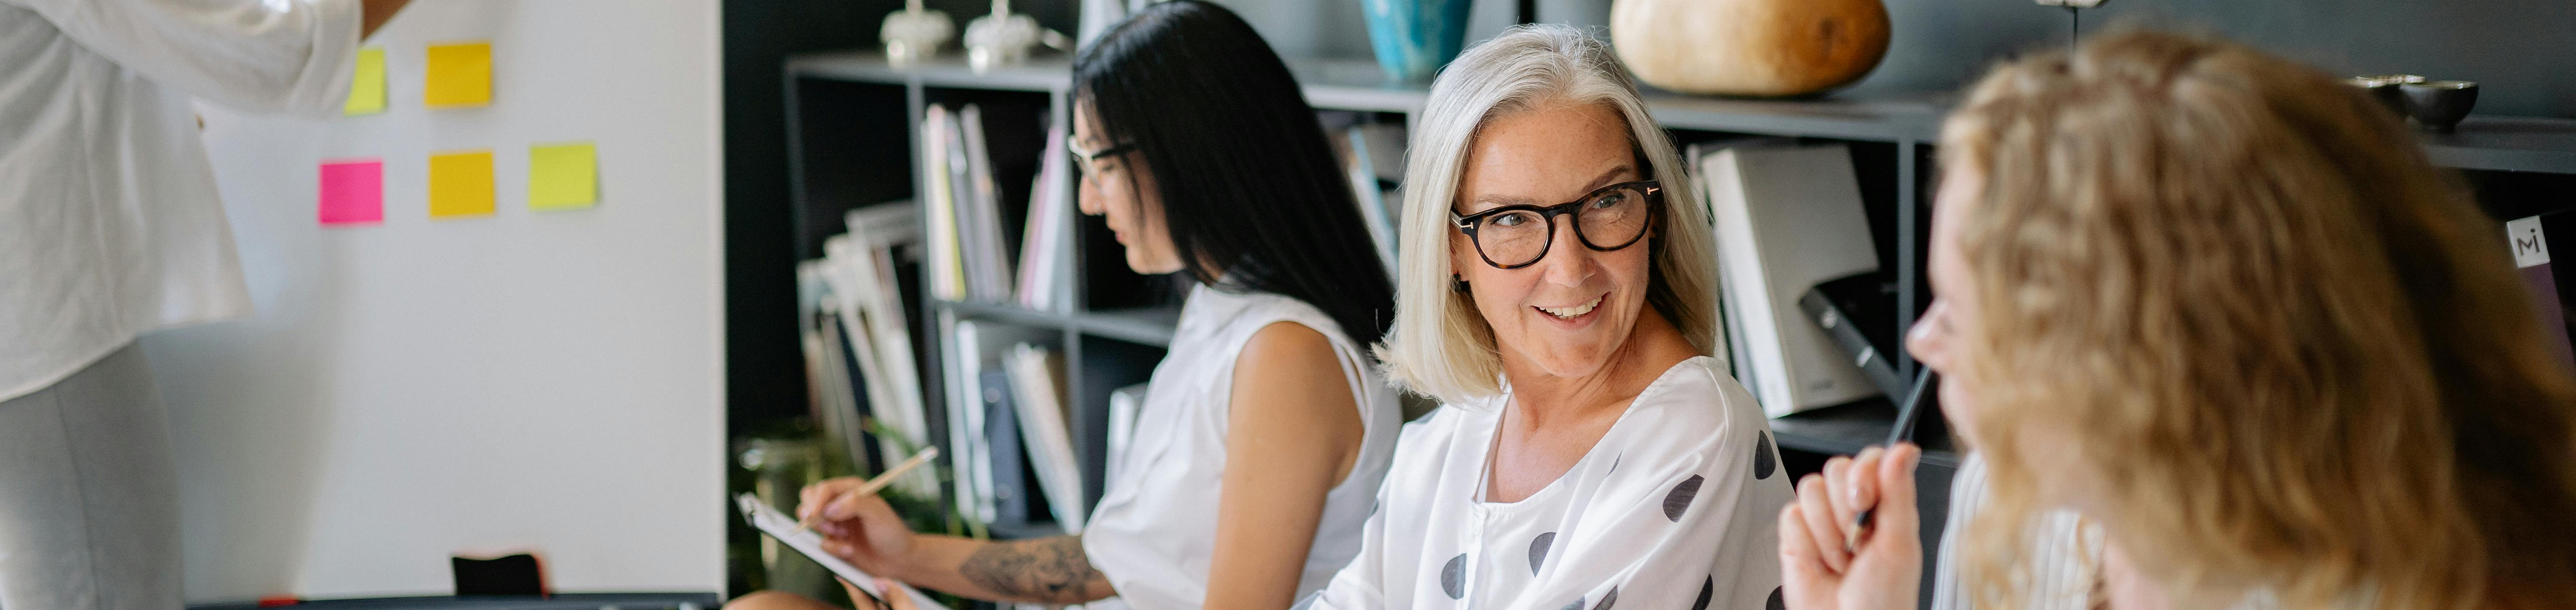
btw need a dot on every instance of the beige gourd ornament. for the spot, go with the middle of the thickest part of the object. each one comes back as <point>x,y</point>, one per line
<point>1766,48</point>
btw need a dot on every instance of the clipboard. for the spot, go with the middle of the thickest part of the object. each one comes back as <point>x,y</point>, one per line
<point>784,528</point>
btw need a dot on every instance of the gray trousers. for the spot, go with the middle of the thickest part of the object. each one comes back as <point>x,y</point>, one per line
<point>89,493</point>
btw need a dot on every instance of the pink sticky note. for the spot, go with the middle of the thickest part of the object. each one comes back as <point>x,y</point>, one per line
<point>353,191</point>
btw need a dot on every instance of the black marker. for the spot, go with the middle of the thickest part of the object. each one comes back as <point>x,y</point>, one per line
<point>1905,416</point>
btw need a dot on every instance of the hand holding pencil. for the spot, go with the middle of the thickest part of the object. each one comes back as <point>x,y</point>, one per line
<point>1852,540</point>
<point>858,526</point>
<point>1884,570</point>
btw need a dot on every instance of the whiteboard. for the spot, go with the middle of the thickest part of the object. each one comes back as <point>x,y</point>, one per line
<point>546,381</point>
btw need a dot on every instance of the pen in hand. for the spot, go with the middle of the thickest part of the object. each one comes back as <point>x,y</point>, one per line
<point>1904,431</point>
<point>880,482</point>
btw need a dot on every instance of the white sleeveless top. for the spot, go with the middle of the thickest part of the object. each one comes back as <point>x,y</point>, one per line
<point>1155,530</point>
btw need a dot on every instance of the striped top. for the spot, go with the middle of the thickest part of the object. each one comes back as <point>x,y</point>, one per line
<point>2065,561</point>
<point>2066,552</point>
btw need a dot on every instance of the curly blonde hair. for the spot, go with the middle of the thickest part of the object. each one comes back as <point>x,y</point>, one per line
<point>2292,354</point>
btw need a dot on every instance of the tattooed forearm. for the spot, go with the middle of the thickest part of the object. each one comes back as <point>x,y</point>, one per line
<point>1045,570</point>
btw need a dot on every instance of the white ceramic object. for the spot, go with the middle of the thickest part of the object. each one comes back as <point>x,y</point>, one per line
<point>914,34</point>
<point>1001,38</point>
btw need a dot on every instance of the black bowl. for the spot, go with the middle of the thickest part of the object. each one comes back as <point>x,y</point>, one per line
<point>2439,105</point>
<point>2383,87</point>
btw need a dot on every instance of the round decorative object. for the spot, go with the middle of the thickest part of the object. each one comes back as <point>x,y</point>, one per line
<point>2384,87</point>
<point>2438,106</point>
<point>1749,47</point>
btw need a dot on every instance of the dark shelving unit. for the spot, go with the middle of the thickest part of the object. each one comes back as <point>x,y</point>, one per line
<point>1892,136</point>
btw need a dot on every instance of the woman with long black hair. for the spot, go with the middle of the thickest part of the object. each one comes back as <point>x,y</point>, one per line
<point>1266,428</point>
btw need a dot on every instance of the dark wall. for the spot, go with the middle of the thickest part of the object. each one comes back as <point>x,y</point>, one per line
<point>2519,50</point>
<point>765,371</point>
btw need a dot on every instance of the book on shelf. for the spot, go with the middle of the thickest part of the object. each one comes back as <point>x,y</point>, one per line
<point>975,348</point>
<point>861,294</point>
<point>960,199</point>
<point>945,272</point>
<point>1362,170</point>
<point>1787,217</point>
<point>968,456</point>
<point>2537,243</point>
<point>972,258</point>
<point>1859,312</point>
<point>988,262</point>
<point>833,403</point>
<point>894,225</point>
<point>1728,352</point>
<point>1038,384</point>
<point>1006,460</point>
<point>1042,252</point>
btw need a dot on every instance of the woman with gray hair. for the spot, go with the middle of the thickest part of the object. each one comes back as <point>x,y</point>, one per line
<point>1556,294</point>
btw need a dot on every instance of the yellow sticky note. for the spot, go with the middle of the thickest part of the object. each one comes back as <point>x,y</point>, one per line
<point>367,90</point>
<point>459,74</point>
<point>460,184</point>
<point>563,176</point>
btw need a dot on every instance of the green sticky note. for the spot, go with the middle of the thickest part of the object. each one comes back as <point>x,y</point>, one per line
<point>367,90</point>
<point>563,176</point>
<point>458,74</point>
<point>460,184</point>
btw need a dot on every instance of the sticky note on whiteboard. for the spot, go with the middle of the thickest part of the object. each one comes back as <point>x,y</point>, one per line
<point>563,176</point>
<point>460,184</point>
<point>353,191</point>
<point>367,90</point>
<point>458,75</point>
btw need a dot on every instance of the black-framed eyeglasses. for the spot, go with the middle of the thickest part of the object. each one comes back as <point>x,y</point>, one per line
<point>1608,218</point>
<point>1086,160</point>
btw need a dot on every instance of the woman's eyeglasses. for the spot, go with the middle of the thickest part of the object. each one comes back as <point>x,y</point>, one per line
<point>1609,218</point>
<point>1088,160</point>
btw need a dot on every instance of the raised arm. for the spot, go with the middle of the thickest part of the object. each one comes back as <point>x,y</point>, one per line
<point>1293,432</point>
<point>256,55</point>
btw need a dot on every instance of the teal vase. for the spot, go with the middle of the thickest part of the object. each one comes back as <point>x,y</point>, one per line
<point>1413,38</point>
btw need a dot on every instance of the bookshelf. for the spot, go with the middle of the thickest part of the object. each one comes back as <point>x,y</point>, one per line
<point>850,118</point>
<point>1113,326</point>
<point>1883,126</point>
<point>1892,123</point>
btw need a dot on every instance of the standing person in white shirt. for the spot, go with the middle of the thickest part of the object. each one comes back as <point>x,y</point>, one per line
<point>110,228</point>
<point>1557,296</point>
<point>1265,431</point>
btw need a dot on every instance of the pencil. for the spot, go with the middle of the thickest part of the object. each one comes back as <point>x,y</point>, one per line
<point>882,480</point>
<point>1904,431</point>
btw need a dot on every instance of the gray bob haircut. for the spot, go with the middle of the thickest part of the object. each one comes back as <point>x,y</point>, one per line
<point>1439,345</point>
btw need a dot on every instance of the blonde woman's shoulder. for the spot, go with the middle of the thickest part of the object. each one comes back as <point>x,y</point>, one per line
<point>1700,394</point>
<point>1694,409</point>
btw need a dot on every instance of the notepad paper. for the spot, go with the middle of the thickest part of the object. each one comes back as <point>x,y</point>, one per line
<point>367,87</point>
<point>563,176</point>
<point>460,184</point>
<point>784,528</point>
<point>353,192</point>
<point>458,75</point>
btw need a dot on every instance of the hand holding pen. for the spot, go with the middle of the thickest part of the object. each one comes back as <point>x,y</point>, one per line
<point>1852,541</point>
<point>858,526</point>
